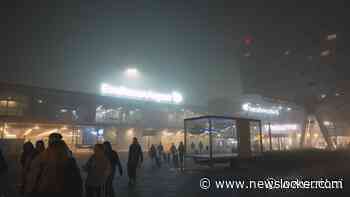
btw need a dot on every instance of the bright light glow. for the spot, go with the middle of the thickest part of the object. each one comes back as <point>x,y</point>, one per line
<point>331,36</point>
<point>132,72</point>
<point>130,132</point>
<point>299,135</point>
<point>315,135</point>
<point>36,127</point>
<point>325,53</point>
<point>174,97</point>
<point>323,96</point>
<point>289,109</point>
<point>326,123</point>
<point>282,127</point>
<point>248,107</point>
<point>64,128</point>
<point>100,132</point>
<point>63,110</point>
<point>166,133</point>
<point>47,133</point>
<point>28,132</point>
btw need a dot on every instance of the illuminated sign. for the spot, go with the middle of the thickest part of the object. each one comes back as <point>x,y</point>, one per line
<point>173,98</point>
<point>282,127</point>
<point>248,107</point>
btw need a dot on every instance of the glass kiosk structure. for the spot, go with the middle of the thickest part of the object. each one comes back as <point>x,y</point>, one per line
<point>219,139</point>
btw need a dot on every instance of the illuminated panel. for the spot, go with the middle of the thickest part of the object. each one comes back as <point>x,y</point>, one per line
<point>248,107</point>
<point>283,127</point>
<point>174,97</point>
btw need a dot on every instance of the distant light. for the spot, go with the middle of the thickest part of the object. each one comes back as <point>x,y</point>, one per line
<point>28,132</point>
<point>280,107</point>
<point>289,109</point>
<point>174,97</point>
<point>36,127</point>
<point>331,36</point>
<point>287,52</point>
<point>132,72</point>
<point>130,132</point>
<point>326,123</point>
<point>40,101</point>
<point>63,110</point>
<point>100,132</point>
<point>299,135</point>
<point>326,52</point>
<point>282,127</point>
<point>315,135</point>
<point>323,96</point>
<point>64,128</point>
<point>337,94</point>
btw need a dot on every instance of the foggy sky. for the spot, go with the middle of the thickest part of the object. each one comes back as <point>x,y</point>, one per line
<point>177,45</point>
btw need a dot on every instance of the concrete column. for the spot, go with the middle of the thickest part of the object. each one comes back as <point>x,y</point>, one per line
<point>243,129</point>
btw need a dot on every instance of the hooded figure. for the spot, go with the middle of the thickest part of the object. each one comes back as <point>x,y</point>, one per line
<point>135,158</point>
<point>54,171</point>
<point>98,168</point>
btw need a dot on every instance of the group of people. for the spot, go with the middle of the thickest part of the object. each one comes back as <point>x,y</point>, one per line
<point>176,154</point>
<point>54,170</point>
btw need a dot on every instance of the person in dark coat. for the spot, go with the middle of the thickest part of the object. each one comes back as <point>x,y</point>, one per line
<point>134,160</point>
<point>181,150</point>
<point>98,169</point>
<point>114,160</point>
<point>54,172</point>
<point>174,154</point>
<point>27,156</point>
<point>153,155</point>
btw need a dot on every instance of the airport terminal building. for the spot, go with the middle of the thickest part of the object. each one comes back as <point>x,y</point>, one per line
<point>118,114</point>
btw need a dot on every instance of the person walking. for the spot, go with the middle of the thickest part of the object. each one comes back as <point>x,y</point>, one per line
<point>98,170</point>
<point>135,159</point>
<point>54,172</point>
<point>160,150</point>
<point>153,155</point>
<point>193,147</point>
<point>114,161</point>
<point>181,150</point>
<point>27,156</point>
<point>173,151</point>
<point>200,146</point>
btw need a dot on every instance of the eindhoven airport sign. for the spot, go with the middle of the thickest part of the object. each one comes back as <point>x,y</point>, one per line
<point>147,95</point>
<point>256,109</point>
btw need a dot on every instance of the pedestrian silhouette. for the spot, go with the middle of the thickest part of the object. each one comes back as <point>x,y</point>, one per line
<point>39,146</point>
<point>134,160</point>
<point>114,161</point>
<point>98,170</point>
<point>54,172</point>
<point>181,150</point>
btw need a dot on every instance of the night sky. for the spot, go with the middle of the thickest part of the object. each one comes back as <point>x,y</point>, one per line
<point>177,45</point>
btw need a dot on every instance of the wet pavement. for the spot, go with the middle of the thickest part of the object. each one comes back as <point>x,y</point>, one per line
<point>170,182</point>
